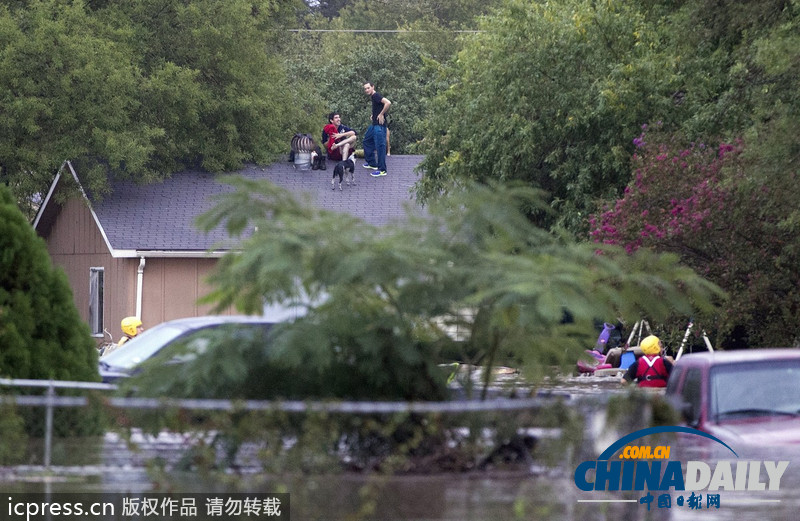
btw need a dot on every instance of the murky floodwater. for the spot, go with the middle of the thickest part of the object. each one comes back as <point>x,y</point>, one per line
<point>540,491</point>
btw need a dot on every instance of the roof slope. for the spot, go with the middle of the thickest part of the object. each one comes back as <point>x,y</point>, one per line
<point>161,216</point>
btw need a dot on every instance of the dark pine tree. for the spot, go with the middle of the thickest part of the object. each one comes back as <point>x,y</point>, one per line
<point>42,336</point>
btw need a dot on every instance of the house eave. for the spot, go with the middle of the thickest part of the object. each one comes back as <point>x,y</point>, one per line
<point>168,254</point>
<point>46,202</point>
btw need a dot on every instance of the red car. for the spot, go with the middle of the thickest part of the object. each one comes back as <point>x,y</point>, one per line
<point>747,397</point>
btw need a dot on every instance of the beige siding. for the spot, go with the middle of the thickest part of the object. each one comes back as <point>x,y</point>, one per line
<point>75,244</point>
<point>171,286</point>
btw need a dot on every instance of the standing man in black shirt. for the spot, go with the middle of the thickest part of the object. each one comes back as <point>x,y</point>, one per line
<point>375,137</point>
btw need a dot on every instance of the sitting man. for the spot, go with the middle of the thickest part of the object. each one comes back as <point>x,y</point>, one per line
<point>339,139</point>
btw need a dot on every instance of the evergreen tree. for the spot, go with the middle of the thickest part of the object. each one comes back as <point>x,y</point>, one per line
<point>41,334</point>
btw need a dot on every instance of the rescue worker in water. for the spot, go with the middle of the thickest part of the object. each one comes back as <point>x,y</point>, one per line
<point>652,368</point>
<point>131,327</point>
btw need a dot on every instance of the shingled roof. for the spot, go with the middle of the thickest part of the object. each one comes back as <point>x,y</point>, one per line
<point>161,216</point>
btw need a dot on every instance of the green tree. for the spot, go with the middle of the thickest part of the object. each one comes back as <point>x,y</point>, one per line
<point>67,91</point>
<point>41,333</point>
<point>395,66</point>
<point>740,65</point>
<point>550,92</point>
<point>140,90</point>
<point>453,14</point>
<point>397,45</point>
<point>383,301</point>
<point>210,81</point>
<point>328,8</point>
<point>547,95</point>
<point>773,145</point>
<point>703,203</point>
<point>719,56</point>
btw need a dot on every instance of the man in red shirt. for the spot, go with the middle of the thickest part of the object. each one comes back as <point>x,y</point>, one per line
<point>340,138</point>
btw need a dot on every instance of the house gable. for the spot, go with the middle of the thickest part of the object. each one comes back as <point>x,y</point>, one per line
<point>80,208</point>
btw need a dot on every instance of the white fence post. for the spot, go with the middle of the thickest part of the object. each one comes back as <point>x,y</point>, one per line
<point>48,425</point>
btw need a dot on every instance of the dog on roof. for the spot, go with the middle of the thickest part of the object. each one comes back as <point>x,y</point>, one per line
<point>344,170</point>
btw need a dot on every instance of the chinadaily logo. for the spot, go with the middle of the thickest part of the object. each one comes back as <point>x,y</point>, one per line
<point>630,466</point>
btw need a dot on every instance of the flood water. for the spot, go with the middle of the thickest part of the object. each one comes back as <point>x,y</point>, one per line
<point>543,490</point>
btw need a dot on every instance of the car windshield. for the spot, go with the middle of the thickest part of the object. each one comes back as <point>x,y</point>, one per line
<point>142,347</point>
<point>755,389</point>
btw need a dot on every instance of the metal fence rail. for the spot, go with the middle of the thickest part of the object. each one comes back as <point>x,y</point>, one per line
<point>50,399</point>
<point>102,393</point>
<point>291,406</point>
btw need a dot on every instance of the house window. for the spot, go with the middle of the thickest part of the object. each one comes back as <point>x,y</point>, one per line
<point>96,301</point>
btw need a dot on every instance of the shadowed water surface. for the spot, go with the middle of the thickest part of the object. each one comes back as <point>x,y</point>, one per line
<point>541,491</point>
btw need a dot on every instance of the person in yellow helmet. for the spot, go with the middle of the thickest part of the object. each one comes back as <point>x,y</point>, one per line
<point>131,326</point>
<point>651,369</point>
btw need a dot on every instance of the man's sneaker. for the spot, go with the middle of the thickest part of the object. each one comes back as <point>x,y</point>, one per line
<point>367,165</point>
<point>382,173</point>
<point>376,173</point>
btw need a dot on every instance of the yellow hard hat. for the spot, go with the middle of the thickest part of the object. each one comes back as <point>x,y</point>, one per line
<point>129,325</point>
<point>651,345</point>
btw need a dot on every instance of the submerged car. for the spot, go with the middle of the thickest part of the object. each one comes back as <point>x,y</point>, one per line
<point>193,333</point>
<point>750,397</point>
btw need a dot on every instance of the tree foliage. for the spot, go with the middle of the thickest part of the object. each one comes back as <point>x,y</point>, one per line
<point>390,14</point>
<point>68,89</point>
<point>398,46</point>
<point>545,95</point>
<point>740,64</point>
<point>139,90</point>
<point>703,203</point>
<point>210,61</point>
<point>382,302</point>
<point>550,92</point>
<point>395,67</point>
<point>41,333</point>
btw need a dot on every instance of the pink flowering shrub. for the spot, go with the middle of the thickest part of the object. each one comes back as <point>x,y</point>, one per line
<point>705,204</point>
<point>676,197</point>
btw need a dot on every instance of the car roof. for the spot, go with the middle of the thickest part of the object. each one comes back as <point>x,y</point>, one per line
<point>739,356</point>
<point>213,320</point>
